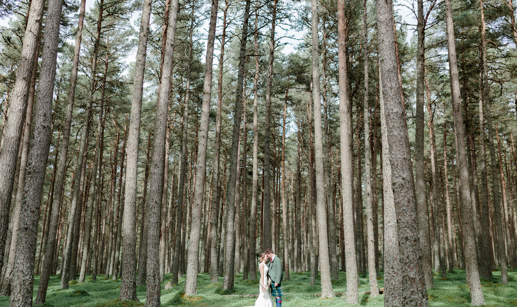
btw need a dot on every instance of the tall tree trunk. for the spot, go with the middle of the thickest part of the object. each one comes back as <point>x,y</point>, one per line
<point>267,227</point>
<point>176,270</point>
<point>326,284</point>
<point>13,121</point>
<point>254,190</point>
<point>199,188</point>
<point>230,198</point>
<point>414,292</point>
<point>494,165</point>
<point>372,271</point>
<point>37,163</point>
<point>128,281</point>
<point>423,223</point>
<point>48,262</point>
<point>284,203</point>
<point>347,173</point>
<point>157,165</point>
<point>79,178</point>
<point>466,204</point>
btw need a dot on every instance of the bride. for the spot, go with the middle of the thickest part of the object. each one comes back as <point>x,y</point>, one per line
<point>264,299</point>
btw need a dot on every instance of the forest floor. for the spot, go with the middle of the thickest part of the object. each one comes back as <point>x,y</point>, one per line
<point>297,292</point>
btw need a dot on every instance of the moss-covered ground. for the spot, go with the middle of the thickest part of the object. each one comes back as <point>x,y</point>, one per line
<point>297,292</point>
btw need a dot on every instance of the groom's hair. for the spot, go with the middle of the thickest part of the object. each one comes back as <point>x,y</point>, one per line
<point>269,251</point>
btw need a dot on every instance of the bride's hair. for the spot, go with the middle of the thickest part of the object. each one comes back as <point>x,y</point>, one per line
<point>262,256</point>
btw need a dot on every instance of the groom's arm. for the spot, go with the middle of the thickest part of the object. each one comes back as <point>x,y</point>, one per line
<point>276,273</point>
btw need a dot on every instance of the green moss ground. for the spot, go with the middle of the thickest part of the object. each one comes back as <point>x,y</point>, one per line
<point>297,292</point>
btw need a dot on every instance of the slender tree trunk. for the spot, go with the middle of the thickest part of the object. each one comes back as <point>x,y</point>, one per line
<point>414,292</point>
<point>466,204</point>
<point>128,282</point>
<point>254,190</point>
<point>37,163</point>
<point>230,198</point>
<point>494,167</point>
<point>423,223</point>
<point>142,258</point>
<point>176,270</point>
<point>200,180</point>
<point>345,119</point>
<point>372,271</point>
<point>284,203</point>
<point>13,121</point>
<point>157,165</point>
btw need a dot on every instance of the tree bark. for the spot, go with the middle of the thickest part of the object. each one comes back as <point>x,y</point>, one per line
<point>345,120</point>
<point>128,281</point>
<point>414,292</point>
<point>230,197</point>
<point>466,204</point>
<point>37,163</point>
<point>423,223</point>
<point>199,188</point>
<point>372,271</point>
<point>142,257</point>
<point>157,165</point>
<point>13,122</point>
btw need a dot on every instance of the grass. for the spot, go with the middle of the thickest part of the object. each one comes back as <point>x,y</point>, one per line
<point>297,292</point>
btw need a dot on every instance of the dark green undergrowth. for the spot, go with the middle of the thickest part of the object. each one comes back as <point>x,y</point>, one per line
<point>103,292</point>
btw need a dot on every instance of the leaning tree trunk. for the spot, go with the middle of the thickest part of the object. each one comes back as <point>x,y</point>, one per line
<point>345,119</point>
<point>414,292</point>
<point>372,271</point>
<point>128,281</point>
<point>469,241</point>
<point>199,185</point>
<point>37,163</point>
<point>423,223</point>
<point>230,188</point>
<point>48,260</point>
<point>157,166</point>
<point>13,121</point>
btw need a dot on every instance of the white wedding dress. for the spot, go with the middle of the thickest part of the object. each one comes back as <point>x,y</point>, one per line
<point>264,299</point>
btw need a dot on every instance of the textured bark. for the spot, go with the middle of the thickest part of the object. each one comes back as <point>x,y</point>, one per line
<point>214,214</point>
<point>414,292</point>
<point>372,271</point>
<point>466,205</point>
<point>423,223</point>
<point>157,165</point>
<point>128,281</point>
<point>13,121</point>
<point>200,180</point>
<point>48,260</point>
<point>392,276</point>
<point>284,201</point>
<point>230,189</point>
<point>8,268</point>
<point>37,163</point>
<point>345,120</point>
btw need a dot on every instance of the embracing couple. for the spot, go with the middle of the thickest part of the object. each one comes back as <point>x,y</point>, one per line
<point>271,276</point>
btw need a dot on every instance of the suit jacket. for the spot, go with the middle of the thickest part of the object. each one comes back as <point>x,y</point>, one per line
<point>276,272</point>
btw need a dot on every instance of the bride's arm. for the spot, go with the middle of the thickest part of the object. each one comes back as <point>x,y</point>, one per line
<point>261,268</point>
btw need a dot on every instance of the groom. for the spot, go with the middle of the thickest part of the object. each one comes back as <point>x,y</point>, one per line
<point>276,274</point>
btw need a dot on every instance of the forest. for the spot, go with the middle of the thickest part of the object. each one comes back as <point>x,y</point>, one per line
<point>151,150</point>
